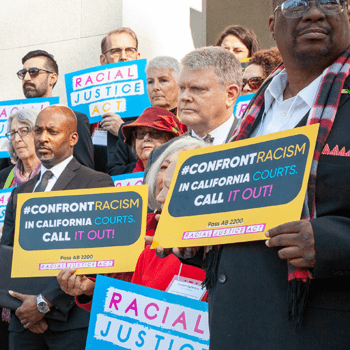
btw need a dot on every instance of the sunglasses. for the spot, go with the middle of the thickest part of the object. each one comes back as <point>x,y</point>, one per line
<point>21,132</point>
<point>254,83</point>
<point>117,52</point>
<point>33,72</point>
<point>298,8</point>
<point>141,134</point>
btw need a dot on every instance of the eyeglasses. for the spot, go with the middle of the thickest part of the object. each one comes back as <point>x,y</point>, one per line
<point>33,72</point>
<point>141,134</point>
<point>21,132</point>
<point>116,52</point>
<point>298,8</point>
<point>254,83</point>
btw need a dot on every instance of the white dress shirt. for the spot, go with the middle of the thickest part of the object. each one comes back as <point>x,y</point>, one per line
<point>279,114</point>
<point>220,134</point>
<point>56,170</point>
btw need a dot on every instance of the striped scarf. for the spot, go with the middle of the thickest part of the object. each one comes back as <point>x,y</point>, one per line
<point>323,112</point>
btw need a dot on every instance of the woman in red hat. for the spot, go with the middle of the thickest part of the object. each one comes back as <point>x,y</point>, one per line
<point>151,129</point>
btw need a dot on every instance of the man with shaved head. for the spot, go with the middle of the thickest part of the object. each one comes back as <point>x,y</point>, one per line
<point>51,319</point>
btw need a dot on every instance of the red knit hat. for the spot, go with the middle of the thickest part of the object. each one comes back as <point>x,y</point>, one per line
<point>156,118</point>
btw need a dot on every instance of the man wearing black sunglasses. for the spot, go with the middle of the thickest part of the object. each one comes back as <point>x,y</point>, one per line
<point>292,291</point>
<point>39,76</point>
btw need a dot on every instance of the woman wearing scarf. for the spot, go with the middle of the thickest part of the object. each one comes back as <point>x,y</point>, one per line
<point>22,152</point>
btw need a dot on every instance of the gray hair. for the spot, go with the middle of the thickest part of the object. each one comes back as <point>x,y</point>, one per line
<point>183,142</point>
<point>27,116</point>
<point>165,62</point>
<point>224,63</point>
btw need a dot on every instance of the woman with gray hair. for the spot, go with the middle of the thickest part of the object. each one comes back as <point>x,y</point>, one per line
<point>27,165</point>
<point>21,149</point>
<point>150,271</point>
<point>154,175</point>
<point>162,76</point>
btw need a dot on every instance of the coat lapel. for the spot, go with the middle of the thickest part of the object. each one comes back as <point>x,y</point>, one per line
<point>233,127</point>
<point>68,174</point>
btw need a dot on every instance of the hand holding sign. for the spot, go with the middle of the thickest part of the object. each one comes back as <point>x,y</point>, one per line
<point>236,192</point>
<point>298,239</point>
<point>181,253</point>
<point>111,122</point>
<point>75,285</point>
<point>99,232</point>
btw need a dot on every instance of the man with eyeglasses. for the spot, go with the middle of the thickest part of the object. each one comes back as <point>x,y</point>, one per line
<point>292,292</point>
<point>39,76</point>
<point>119,45</point>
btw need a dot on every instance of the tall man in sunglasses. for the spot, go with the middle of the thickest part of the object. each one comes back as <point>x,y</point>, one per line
<point>39,76</point>
<point>119,45</point>
<point>292,292</point>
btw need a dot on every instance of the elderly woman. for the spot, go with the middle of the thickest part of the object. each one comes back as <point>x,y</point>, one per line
<point>154,127</point>
<point>241,41</point>
<point>21,148</point>
<point>27,165</point>
<point>162,75</point>
<point>259,68</point>
<point>151,271</point>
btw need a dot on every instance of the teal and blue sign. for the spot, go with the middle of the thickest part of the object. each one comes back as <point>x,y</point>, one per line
<point>118,88</point>
<point>128,316</point>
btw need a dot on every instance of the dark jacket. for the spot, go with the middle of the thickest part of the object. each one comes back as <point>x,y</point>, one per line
<point>75,176</point>
<point>83,150</point>
<point>121,160</point>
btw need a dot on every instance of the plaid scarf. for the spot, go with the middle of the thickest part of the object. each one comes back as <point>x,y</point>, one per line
<point>323,112</point>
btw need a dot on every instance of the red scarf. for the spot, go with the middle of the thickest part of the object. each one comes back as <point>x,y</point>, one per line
<point>139,167</point>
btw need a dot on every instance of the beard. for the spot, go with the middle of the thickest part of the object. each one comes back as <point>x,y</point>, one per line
<point>31,90</point>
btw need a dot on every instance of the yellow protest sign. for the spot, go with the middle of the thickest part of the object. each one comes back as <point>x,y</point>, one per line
<point>97,230</point>
<point>237,191</point>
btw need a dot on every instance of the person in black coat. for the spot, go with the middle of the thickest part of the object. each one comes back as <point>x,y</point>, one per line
<point>248,297</point>
<point>55,137</point>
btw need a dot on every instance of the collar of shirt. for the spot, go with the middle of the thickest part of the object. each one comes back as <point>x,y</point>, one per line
<point>56,170</point>
<point>220,134</point>
<point>278,84</point>
<point>282,114</point>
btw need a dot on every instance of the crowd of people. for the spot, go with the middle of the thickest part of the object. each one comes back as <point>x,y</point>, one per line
<point>288,292</point>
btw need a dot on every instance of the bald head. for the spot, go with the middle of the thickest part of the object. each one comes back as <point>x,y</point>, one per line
<point>66,114</point>
<point>55,135</point>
